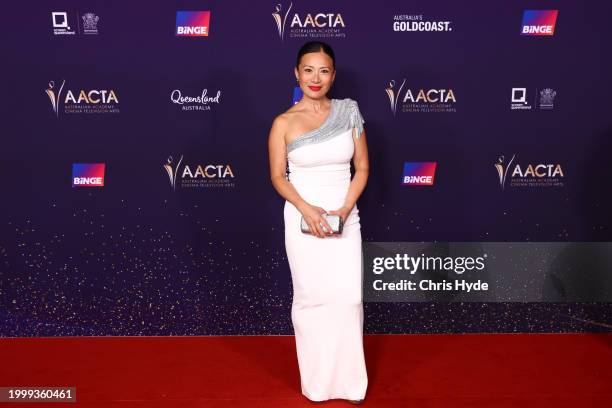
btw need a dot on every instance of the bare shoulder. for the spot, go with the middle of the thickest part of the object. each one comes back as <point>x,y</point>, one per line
<point>283,122</point>
<point>280,127</point>
<point>290,114</point>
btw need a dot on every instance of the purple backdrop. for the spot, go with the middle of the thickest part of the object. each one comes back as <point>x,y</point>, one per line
<point>139,257</point>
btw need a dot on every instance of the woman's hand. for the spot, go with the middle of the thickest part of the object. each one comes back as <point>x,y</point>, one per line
<point>315,221</point>
<point>343,212</point>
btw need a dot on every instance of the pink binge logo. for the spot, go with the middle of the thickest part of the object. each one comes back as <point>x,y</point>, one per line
<point>192,23</point>
<point>419,173</point>
<point>539,22</point>
<point>88,174</point>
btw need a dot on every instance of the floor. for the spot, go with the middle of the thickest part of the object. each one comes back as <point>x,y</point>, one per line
<point>455,370</point>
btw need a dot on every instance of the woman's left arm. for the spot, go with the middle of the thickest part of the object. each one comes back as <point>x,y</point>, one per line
<point>360,179</point>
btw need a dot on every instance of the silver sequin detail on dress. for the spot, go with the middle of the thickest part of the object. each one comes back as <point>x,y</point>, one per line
<point>344,114</point>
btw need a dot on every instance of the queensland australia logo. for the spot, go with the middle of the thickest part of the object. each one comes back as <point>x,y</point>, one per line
<point>192,23</point>
<point>542,98</point>
<point>419,173</point>
<point>513,174</point>
<point>318,24</point>
<point>88,174</point>
<point>420,100</point>
<point>195,102</point>
<point>73,101</point>
<point>417,23</point>
<point>198,175</point>
<point>65,23</point>
<point>539,22</point>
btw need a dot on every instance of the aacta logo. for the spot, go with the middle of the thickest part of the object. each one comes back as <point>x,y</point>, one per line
<point>419,173</point>
<point>421,100</point>
<point>539,22</point>
<point>529,175</point>
<point>192,23</point>
<point>88,174</point>
<point>81,101</point>
<point>316,22</point>
<point>200,175</point>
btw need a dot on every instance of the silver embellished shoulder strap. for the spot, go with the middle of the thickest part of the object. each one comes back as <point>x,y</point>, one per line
<point>344,115</point>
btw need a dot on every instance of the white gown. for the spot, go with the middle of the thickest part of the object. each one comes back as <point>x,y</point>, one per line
<point>327,309</point>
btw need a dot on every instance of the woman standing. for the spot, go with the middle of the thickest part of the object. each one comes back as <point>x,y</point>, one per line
<point>318,137</point>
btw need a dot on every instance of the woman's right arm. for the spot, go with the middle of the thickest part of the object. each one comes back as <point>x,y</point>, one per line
<point>277,150</point>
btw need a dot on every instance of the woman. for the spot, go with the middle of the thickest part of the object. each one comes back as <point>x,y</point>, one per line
<point>318,137</point>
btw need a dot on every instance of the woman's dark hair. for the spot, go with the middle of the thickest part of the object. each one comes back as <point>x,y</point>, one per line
<point>316,46</point>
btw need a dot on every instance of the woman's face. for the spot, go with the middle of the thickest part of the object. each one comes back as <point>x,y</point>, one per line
<point>316,74</point>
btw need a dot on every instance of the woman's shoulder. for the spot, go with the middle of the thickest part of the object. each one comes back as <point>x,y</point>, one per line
<point>348,102</point>
<point>353,114</point>
<point>285,117</point>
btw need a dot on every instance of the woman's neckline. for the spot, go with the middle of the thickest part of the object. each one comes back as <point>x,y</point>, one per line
<point>329,114</point>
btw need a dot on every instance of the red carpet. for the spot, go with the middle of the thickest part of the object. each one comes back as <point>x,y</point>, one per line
<point>460,370</point>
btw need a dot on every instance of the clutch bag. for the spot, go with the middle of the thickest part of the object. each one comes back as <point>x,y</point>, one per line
<point>334,220</point>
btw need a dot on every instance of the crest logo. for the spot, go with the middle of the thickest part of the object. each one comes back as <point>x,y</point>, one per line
<point>547,98</point>
<point>90,23</point>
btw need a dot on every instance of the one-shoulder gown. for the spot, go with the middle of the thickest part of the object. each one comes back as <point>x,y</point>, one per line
<point>327,308</point>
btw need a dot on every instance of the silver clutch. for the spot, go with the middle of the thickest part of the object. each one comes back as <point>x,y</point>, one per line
<point>334,220</point>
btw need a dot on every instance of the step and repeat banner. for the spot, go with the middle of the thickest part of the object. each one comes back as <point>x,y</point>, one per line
<point>136,194</point>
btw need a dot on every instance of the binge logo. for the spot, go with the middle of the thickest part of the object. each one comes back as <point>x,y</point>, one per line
<point>88,174</point>
<point>192,23</point>
<point>539,22</point>
<point>419,173</point>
